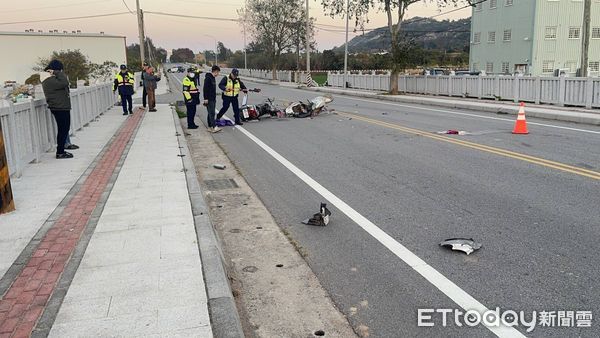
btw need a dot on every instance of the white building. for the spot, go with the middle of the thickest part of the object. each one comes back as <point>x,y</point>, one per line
<point>22,50</point>
<point>537,37</point>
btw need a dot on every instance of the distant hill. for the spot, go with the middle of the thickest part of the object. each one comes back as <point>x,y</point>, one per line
<point>427,33</point>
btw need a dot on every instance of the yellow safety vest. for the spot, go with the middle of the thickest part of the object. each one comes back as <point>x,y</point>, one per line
<point>232,89</point>
<point>189,88</point>
<point>127,80</point>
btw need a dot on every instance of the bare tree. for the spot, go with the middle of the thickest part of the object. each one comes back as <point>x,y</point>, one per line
<point>276,25</point>
<point>395,11</point>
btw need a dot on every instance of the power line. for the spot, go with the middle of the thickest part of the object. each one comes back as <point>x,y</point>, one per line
<point>64,19</point>
<point>129,9</point>
<point>51,7</point>
<point>192,16</point>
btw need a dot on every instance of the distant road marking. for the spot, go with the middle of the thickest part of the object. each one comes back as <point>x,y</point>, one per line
<point>502,152</point>
<point>446,286</point>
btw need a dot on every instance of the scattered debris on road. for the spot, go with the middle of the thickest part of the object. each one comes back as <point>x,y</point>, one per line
<point>321,218</point>
<point>219,166</point>
<point>454,132</point>
<point>466,245</point>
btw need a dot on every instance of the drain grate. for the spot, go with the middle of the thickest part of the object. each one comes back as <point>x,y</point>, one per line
<point>221,184</point>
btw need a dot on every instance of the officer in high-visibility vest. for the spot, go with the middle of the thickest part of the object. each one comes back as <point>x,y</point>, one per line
<point>191,94</point>
<point>124,81</point>
<point>231,87</point>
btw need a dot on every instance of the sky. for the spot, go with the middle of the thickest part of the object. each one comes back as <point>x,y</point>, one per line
<point>175,32</point>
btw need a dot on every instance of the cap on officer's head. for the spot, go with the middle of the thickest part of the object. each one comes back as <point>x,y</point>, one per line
<point>191,70</point>
<point>54,65</point>
<point>235,72</point>
<point>123,67</point>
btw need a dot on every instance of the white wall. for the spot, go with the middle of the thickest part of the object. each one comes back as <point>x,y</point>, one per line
<point>21,51</point>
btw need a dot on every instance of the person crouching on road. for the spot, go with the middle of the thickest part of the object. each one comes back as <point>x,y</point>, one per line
<point>191,96</point>
<point>210,97</point>
<point>57,92</point>
<point>231,87</point>
<point>124,81</point>
<point>150,80</point>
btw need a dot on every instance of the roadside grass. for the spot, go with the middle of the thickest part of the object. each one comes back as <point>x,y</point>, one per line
<point>319,78</point>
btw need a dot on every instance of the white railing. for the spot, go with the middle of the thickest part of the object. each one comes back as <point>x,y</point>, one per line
<point>29,128</point>
<point>562,91</point>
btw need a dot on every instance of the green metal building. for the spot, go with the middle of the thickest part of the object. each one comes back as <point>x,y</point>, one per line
<point>532,37</point>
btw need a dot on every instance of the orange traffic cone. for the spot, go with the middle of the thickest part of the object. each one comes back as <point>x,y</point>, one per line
<point>521,124</point>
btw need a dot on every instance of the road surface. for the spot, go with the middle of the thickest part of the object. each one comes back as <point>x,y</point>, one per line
<point>396,190</point>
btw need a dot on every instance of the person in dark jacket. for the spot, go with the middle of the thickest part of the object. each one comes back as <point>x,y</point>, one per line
<point>124,81</point>
<point>150,80</point>
<point>231,87</point>
<point>56,90</point>
<point>144,92</point>
<point>210,97</point>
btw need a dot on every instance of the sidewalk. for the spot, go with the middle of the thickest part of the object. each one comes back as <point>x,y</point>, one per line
<point>119,255</point>
<point>568,114</point>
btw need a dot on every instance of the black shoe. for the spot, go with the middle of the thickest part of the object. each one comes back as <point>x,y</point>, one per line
<point>153,110</point>
<point>130,112</point>
<point>72,147</point>
<point>64,155</point>
<point>239,123</point>
<point>193,127</point>
<point>125,113</point>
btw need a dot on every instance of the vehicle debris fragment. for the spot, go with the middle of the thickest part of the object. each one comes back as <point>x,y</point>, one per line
<point>466,245</point>
<point>321,218</point>
<point>219,166</point>
<point>453,132</point>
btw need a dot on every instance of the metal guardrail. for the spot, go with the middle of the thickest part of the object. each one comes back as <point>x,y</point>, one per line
<point>29,128</point>
<point>562,91</point>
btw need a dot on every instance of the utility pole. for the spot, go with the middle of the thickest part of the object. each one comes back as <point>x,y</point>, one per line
<point>585,43</point>
<point>140,17</point>
<point>245,46</point>
<point>346,45</point>
<point>307,40</point>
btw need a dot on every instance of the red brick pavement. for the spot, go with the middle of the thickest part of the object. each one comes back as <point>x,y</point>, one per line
<point>23,303</point>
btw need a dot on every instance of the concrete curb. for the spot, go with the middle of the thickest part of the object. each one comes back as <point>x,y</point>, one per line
<point>543,113</point>
<point>224,317</point>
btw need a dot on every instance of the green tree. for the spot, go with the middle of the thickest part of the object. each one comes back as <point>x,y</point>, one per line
<point>224,52</point>
<point>275,26</point>
<point>76,65</point>
<point>183,55</point>
<point>395,11</point>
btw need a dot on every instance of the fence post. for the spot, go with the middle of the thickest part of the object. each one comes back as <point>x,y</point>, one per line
<point>516,89</point>
<point>7,203</point>
<point>562,91</point>
<point>589,92</point>
<point>463,83</point>
<point>538,89</point>
<point>479,87</point>
<point>496,89</point>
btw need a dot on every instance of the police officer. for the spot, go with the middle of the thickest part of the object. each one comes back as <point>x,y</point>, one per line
<point>124,81</point>
<point>191,95</point>
<point>231,87</point>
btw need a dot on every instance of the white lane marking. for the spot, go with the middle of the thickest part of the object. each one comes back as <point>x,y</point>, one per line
<point>458,113</point>
<point>446,286</point>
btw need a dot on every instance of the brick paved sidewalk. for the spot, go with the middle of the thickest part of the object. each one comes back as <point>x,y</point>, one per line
<point>24,302</point>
